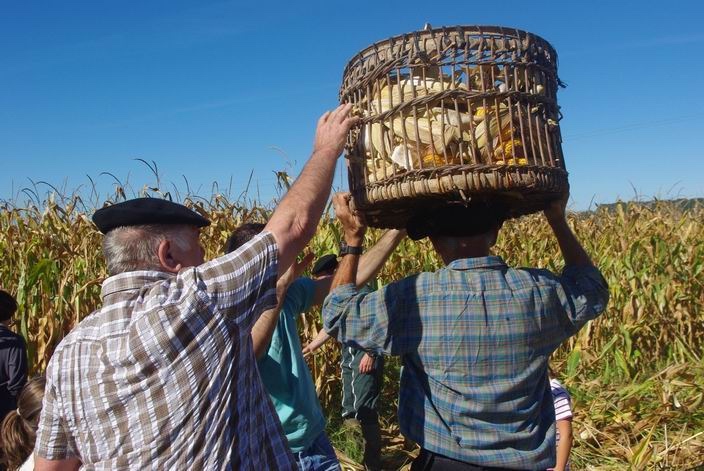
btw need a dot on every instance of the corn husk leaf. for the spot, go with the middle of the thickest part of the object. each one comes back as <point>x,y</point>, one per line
<point>429,132</point>
<point>404,156</point>
<point>407,89</point>
<point>377,139</point>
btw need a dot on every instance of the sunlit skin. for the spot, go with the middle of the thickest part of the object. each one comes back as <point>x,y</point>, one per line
<point>173,258</point>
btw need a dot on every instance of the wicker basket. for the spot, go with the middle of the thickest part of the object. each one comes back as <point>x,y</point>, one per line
<point>450,114</point>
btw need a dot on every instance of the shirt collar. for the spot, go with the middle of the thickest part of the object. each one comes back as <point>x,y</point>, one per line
<point>492,261</point>
<point>131,281</point>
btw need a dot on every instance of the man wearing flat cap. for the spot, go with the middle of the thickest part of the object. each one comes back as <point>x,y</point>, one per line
<point>474,336</point>
<point>163,376</point>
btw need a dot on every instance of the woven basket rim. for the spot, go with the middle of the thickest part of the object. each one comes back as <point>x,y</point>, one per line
<point>479,29</point>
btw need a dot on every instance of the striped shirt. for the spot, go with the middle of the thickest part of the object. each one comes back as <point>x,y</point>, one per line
<point>164,376</point>
<point>561,399</point>
<point>563,408</point>
<point>475,338</point>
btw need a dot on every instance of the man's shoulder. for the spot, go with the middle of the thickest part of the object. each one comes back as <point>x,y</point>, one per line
<point>531,276</point>
<point>10,339</point>
<point>85,329</point>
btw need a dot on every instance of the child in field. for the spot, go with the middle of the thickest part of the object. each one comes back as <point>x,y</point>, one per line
<point>563,424</point>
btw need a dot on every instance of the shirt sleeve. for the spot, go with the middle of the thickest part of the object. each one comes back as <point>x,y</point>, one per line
<point>384,321</point>
<point>563,409</point>
<point>583,294</point>
<point>299,297</point>
<point>242,284</point>
<point>53,440</point>
<point>562,401</point>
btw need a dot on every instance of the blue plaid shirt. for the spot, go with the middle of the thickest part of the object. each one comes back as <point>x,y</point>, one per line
<point>475,338</point>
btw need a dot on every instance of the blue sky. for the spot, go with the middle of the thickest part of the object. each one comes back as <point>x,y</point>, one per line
<point>216,91</point>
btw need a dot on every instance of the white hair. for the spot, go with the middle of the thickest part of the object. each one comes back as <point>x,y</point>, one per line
<point>131,248</point>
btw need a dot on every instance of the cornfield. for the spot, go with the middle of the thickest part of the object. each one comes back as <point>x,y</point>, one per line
<point>636,374</point>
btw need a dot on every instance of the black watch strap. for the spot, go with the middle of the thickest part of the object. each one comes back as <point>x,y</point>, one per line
<point>349,249</point>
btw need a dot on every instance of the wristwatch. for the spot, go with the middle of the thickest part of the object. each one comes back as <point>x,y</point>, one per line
<point>349,249</point>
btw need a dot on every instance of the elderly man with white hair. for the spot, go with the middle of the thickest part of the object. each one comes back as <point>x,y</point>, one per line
<point>163,375</point>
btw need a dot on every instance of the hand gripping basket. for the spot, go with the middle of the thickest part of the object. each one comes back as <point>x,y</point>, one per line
<point>451,114</point>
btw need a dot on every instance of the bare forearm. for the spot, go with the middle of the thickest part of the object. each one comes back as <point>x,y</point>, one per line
<point>317,342</point>
<point>371,261</point>
<point>346,271</point>
<point>296,217</point>
<point>572,251</point>
<point>564,446</point>
<point>263,330</point>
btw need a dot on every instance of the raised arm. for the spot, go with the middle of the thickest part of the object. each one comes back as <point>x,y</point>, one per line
<point>572,251</point>
<point>583,292</point>
<point>372,260</point>
<point>264,328</point>
<point>295,219</point>
<point>370,263</point>
<point>354,230</point>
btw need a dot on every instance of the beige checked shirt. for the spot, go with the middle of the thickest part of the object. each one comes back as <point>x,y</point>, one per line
<point>164,375</point>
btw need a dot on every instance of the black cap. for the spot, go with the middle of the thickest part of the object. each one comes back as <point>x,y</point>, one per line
<point>457,220</point>
<point>146,211</point>
<point>325,263</point>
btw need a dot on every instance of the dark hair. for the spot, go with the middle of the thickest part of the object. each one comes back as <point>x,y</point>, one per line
<point>457,220</point>
<point>242,235</point>
<point>19,428</point>
<point>8,305</point>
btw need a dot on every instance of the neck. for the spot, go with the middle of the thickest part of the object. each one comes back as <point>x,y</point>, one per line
<point>455,248</point>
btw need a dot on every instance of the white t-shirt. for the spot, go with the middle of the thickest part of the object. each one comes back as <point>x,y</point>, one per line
<point>28,465</point>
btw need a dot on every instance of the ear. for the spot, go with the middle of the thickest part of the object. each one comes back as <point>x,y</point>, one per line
<point>167,262</point>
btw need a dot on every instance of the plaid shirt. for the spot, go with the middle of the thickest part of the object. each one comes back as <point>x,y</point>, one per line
<point>475,338</point>
<point>164,375</point>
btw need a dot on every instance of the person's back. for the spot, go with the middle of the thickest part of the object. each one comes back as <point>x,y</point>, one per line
<point>139,379</point>
<point>475,337</point>
<point>487,330</point>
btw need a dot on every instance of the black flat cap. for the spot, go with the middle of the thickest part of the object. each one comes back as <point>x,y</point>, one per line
<point>325,263</point>
<point>457,220</point>
<point>146,211</point>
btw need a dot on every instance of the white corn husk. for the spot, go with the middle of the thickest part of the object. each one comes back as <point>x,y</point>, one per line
<point>426,131</point>
<point>409,88</point>
<point>377,139</point>
<point>458,120</point>
<point>404,156</point>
